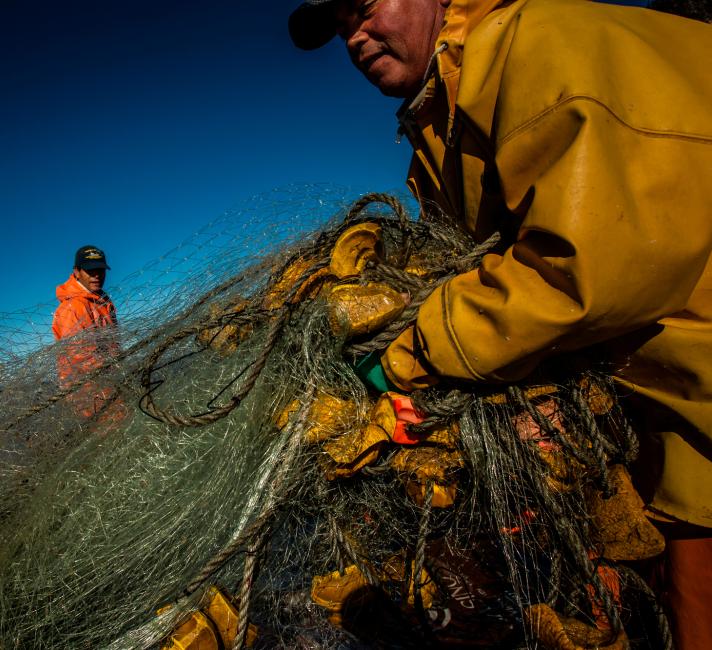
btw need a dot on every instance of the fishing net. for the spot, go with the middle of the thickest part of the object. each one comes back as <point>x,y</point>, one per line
<point>216,470</point>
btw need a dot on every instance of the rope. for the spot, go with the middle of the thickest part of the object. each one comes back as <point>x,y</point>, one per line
<point>280,318</point>
<point>633,442</point>
<point>419,564</point>
<point>472,259</point>
<point>397,277</point>
<point>364,567</point>
<point>394,329</point>
<point>251,562</point>
<point>378,197</point>
<point>149,407</point>
<point>595,438</point>
<point>228,552</point>
<point>423,291</point>
<point>665,635</point>
<point>439,409</point>
<point>609,606</point>
<point>336,536</point>
<point>546,425</point>
<point>276,495</point>
<point>423,530</point>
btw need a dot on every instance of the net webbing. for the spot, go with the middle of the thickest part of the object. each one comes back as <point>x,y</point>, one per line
<point>170,465</point>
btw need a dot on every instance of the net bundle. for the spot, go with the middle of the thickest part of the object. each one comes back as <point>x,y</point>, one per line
<point>222,441</point>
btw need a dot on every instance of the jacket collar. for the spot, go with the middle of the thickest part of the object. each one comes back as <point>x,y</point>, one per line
<point>461,17</point>
<point>72,288</point>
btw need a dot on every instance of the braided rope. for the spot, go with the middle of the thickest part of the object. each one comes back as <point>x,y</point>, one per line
<point>664,631</point>
<point>364,567</point>
<point>335,534</point>
<point>394,329</point>
<point>248,576</point>
<point>609,606</point>
<point>277,493</point>
<point>423,530</point>
<point>291,445</point>
<point>149,406</point>
<point>631,439</point>
<point>281,316</point>
<point>594,438</point>
<point>472,259</point>
<point>377,197</point>
<point>395,276</point>
<point>444,409</point>
<point>419,562</point>
<point>547,426</point>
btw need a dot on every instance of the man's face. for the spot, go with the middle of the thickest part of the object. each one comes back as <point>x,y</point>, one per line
<point>391,41</point>
<point>92,279</point>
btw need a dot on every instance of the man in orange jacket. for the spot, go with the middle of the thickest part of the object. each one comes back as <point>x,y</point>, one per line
<point>82,301</point>
<point>581,132</point>
<point>83,305</point>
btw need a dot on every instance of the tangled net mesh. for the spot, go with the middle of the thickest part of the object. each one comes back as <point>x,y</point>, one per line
<point>192,468</point>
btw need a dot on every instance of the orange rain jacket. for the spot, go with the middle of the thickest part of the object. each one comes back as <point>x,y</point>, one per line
<point>583,132</point>
<point>80,309</point>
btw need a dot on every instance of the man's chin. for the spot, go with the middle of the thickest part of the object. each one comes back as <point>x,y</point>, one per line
<point>398,93</point>
<point>392,87</point>
<point>391,83</point>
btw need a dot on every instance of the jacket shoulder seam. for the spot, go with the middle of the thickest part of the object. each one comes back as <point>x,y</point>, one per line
<point>653,133</point>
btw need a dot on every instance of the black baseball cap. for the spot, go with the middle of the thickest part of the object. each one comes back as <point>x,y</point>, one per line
<point>88,258</point>
<point>313,24</point>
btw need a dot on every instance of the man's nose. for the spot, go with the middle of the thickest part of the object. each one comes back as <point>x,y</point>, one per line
<point>355,41</point>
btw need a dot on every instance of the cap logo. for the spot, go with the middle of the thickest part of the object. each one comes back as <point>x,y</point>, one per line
<point>93,254</point>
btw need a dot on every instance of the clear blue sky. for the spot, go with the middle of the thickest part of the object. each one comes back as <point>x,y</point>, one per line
<point>128,124</point>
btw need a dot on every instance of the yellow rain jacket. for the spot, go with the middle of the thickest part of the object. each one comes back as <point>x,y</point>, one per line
<point>582,132</point>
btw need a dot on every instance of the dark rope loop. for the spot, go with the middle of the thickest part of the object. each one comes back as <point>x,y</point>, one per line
<point>151,408</point>
<point>547,426</point>
<point>378,197</point>
<point>633,579</point>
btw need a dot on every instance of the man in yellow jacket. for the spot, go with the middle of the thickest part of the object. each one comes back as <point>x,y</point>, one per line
<point>583,133</point>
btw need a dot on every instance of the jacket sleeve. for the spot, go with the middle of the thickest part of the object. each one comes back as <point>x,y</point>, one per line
<point>69,319</point>
<point>612,238</point>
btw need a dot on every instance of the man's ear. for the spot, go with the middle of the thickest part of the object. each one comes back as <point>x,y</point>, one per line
<point>75,272</point>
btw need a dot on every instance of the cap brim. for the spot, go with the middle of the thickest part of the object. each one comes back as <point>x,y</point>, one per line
<point>89,265</point>
<point>312,25</point>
